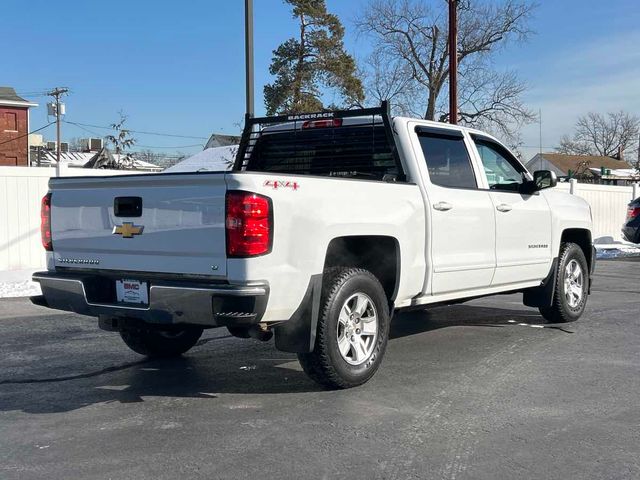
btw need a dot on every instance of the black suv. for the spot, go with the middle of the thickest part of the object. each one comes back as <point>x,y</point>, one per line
<point>631,227</point>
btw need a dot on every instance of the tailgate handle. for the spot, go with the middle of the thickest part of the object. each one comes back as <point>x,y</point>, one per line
<point>127,206</point>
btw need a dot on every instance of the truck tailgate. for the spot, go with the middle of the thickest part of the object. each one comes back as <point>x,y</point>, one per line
<point>180,228</point>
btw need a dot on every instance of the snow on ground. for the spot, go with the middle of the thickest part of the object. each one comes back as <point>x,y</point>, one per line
<point>607,247</point>
<point>17,283</point>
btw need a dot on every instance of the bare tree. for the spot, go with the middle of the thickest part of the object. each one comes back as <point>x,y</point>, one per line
<point>148,156</point>
<point>122,141</point>
<point>609,135</point>
<point>412,37</point>
<point>77,144</point>
<point>390,80</point>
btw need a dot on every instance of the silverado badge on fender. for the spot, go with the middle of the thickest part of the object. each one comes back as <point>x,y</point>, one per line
<point>128,230</point>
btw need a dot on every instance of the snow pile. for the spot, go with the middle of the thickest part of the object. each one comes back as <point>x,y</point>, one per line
<point>210,160</point>
<point>17,283</point>
<point>606,247</point>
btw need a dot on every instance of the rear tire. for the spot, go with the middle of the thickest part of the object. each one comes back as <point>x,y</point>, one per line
<point>155,342</point>
<point>572,285</point>
<point>353,329</point>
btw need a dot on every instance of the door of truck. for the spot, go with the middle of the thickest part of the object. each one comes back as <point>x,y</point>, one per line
<point>462,216</point>
<point>523,221</point>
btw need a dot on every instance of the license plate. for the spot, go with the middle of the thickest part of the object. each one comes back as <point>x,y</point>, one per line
<point>132,291</point>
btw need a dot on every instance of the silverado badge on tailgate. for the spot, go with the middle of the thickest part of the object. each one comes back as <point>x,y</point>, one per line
<point>128,230</point>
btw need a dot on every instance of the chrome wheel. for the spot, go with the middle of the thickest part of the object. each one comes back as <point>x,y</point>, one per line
<point>573,283</point>
<point>357,329</point>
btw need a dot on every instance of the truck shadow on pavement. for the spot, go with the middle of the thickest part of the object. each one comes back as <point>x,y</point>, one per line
<point>219,365</point>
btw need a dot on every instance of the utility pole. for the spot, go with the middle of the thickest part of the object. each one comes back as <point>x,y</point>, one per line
<point>57,93</point>
<point>540,120</point>
<point>248,49</point>
<point>453,62</point>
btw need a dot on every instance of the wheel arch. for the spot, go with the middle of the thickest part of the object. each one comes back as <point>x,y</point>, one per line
<point>360,251</point>
<point>379,254</point>
<point>543,295</point>
<point>582,238</point>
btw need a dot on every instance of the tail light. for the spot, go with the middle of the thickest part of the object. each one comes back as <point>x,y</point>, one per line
<point>45,222</point>
<point>249,224</point>
<point>633,212</point>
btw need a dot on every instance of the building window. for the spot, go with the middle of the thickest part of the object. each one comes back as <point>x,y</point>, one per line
<point>10,122</point>
<point>9,162</point>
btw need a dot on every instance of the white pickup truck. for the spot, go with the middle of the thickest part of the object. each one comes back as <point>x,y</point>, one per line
<point>327,224</point>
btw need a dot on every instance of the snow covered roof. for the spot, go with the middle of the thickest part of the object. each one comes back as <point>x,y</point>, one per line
<point>219,140</point>
<point>72,159</point>
<point>209,160</point>
<point>80,159</point>
<point>626,173</point>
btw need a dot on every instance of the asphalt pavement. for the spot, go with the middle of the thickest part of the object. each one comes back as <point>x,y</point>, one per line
<point>483,390</point>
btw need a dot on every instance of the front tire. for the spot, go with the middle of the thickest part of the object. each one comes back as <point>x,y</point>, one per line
<point>155,342</point>
<point>572,286</point>
<point>353,329</point>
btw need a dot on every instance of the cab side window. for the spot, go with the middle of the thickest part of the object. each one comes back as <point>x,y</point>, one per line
<point>502,170</point>
<point>447,160</point>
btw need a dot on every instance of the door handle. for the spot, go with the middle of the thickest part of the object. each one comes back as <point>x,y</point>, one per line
<point>503,207</point>
<point>442,206</point>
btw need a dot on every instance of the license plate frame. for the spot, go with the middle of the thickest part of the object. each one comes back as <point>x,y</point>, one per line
<point>131,291</point>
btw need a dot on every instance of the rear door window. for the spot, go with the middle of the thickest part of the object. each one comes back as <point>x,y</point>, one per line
<point>448,160</point>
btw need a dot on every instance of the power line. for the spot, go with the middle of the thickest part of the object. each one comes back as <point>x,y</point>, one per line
<point>27,134</point>
<point>85,129</point>
<point>175,146</point>
<point>141,146</point>
<point>140,132</point>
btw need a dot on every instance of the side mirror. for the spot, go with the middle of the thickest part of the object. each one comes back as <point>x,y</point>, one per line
<point>544,179</point>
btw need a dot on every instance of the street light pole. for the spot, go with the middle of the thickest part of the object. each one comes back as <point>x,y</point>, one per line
<point>453,62</point>
<point>248,46</point>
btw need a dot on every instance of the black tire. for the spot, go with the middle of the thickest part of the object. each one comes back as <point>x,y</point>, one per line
<point>561,311</point>
<point>155,342</point>
<point>326,364</point>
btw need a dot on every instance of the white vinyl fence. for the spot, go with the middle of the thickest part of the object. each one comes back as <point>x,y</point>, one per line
<point>21,190</point>
<point>608,204</point>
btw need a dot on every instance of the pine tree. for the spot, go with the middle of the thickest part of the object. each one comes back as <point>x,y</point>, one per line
<point>316,59</point>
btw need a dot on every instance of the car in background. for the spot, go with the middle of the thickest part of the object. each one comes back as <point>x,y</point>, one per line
<point>631,227</point>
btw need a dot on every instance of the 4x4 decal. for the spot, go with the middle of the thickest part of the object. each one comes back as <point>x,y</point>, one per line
<point>276,184</point>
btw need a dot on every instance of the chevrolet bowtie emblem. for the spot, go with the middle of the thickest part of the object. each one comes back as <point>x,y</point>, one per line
<point>127,230</point>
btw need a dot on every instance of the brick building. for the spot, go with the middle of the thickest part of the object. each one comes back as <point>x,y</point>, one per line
<point>14,128</point>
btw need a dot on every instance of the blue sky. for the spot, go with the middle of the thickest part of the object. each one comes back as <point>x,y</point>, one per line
<point>178,67</point>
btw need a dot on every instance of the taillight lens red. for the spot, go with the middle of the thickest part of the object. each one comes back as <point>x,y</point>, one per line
<point>633,212</point>
<point>45,222</point>
<point>249,224</point>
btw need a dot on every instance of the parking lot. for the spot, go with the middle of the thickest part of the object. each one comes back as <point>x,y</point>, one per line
<point>482,390</point>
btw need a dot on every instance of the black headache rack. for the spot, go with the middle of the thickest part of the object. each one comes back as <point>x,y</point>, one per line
<point>342,143</point>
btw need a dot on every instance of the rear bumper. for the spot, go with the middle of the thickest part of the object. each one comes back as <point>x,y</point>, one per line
<point>631,234</point>
<point>170,302</point>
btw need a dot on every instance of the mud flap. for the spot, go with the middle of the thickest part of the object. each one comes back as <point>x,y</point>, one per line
<point>542,296</point>
<point>298,334</point>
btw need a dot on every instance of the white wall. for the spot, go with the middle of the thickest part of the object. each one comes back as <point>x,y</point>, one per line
<point>608,204</point>
<point>21,190</point>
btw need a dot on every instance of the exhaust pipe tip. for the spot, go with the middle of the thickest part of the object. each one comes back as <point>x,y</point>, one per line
<point>260,332</point>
